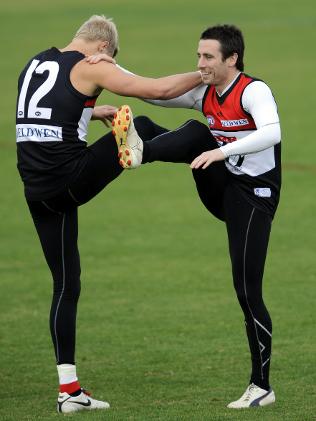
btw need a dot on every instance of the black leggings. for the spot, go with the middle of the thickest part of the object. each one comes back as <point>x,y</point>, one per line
<point>56,222</point>
<point>182,146</point>
<point>248,232</point>
<point>58,233</point>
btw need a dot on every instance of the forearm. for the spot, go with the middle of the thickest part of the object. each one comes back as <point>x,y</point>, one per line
<point>181,101</point>
<point>261,139</point>
<point>191,100</point>
<point>175,85</point>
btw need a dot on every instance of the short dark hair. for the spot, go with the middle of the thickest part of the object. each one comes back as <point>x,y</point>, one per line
<point>231,40</point>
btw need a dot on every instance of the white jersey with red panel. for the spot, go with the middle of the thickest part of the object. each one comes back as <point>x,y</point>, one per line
<point>229,121</point>
<point>256,99</point>
<point>244,121</point>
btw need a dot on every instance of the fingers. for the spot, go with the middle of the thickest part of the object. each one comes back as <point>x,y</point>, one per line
<point>93,59</point>
<point>207,158</point>
<point>203,160</point>
<point>108,120</point>
<point>207,163</point>
<point>99,57</point>
<point>105,113</point>
<point>112,109</point>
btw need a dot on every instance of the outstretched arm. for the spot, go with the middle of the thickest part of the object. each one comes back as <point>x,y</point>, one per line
<point>120,81</point>
<point>191,99</point>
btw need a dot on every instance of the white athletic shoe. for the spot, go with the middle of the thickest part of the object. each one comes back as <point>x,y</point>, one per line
<point>253,396</point>
<point>67,403</point>
<point>130,145</point>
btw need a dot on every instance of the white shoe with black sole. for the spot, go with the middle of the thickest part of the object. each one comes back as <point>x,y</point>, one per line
<point>253,396</point>
<point>67,403</point>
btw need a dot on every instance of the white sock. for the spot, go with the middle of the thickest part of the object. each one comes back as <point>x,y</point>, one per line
<point>67,373</point>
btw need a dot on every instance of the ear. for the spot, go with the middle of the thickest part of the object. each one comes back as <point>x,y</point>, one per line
<point>232,60</point>
<point>103,46</point>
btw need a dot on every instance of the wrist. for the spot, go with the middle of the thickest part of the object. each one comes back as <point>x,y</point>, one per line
<point>224,151</point>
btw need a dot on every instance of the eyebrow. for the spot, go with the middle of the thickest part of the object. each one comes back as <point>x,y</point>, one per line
<point>205,54</point>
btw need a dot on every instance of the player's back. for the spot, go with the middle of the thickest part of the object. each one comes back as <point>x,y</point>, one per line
<point>51,123</point>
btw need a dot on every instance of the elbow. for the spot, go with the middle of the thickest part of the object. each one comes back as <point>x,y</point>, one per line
<point>272,133</point>
<point>168,94</point>
<point>278,134</point>
<point>162,91</point>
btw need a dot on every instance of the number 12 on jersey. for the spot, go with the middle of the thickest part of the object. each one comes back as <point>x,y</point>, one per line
<point>33,111</point>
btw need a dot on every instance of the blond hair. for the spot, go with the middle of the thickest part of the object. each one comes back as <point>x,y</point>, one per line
<point>98,27</point>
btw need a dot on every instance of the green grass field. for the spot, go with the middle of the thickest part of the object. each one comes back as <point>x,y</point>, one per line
<point>160,332</point>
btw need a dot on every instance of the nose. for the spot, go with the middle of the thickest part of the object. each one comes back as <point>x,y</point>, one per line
<point>201,63</point>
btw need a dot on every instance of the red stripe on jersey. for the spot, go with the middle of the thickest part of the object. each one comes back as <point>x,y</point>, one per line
<point>228,116</point>
<point>90,102</point>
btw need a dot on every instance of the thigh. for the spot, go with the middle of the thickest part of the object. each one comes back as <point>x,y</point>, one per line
<point>102,163</point>
<point>248,231</point>
<point>181,145</point>
<point>211,184</point>
<point>101,168</point>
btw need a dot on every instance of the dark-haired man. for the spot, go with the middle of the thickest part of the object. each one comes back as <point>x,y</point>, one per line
<point>237,170</point>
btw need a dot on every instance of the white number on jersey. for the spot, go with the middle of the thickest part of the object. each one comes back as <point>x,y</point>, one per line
<point>33,110</point>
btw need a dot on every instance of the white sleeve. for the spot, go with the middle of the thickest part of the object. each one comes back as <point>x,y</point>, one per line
<point>261,139</point>
<point>258,101</point>
<point>124,70</point>
<point>191,99</point>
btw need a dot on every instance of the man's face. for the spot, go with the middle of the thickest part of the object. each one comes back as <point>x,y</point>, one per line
<point>214,70</point>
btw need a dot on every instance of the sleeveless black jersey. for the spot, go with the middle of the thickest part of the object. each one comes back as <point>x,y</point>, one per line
<point>51,124</point>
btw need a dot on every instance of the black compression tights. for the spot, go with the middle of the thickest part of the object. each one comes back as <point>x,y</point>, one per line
<point>248,232</point>
<point>58,233</point>
<point>56,222</point>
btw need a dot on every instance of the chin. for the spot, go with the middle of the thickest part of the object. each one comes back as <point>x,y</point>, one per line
<point>207,80</point>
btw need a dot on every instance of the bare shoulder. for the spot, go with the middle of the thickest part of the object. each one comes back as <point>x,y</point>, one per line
<point>87,78</point>
<point>87,69</point>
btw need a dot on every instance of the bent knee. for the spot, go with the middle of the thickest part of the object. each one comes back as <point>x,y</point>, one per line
<point>197,126</point>
<point>143,120</point>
